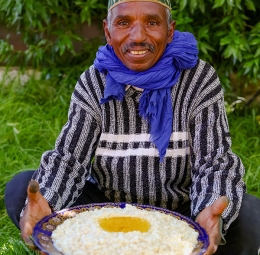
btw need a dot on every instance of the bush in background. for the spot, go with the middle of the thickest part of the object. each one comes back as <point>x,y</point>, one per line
<point>228,32</point>
<point>50,31</point>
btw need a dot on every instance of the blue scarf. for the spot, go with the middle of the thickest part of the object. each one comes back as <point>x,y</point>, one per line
<point>155,103</point>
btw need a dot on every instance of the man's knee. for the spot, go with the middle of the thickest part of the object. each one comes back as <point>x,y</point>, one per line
<point>15,195</point>
<point>243,236</point>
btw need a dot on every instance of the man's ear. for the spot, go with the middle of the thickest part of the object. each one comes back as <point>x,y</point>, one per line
<point>171,31</point>
<point>106,30</point>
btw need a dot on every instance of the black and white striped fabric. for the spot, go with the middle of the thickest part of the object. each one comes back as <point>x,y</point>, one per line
<point>111,143</point>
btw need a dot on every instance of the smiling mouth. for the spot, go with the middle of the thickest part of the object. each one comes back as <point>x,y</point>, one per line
<point>138,48</point>
<point>138,52</point>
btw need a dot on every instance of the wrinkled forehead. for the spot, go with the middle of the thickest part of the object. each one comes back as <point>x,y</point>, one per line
<point>113,3</point>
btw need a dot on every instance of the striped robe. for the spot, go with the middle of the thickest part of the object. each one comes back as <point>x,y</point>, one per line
<point>111,143</point>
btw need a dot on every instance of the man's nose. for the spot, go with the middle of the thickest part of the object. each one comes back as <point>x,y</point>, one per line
<point>138,33</point>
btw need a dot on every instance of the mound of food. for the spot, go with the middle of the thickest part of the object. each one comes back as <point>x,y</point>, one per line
<point>112,230</point>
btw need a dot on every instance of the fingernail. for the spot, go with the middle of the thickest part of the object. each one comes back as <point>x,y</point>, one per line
<point>33,186</point>
<point>29,242</point>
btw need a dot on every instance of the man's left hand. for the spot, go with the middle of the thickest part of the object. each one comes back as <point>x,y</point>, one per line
<point>209,219</point>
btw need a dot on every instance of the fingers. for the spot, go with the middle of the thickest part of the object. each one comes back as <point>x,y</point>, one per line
<point>26,234</point>
<point>42,253</point>
<point>26,230</point>
<point>35,210</point>
<point>214,240</point>
<point>29,242</point>
<point>219,206</point>
<point>209,219</point>
<point>27,222</point>
<point>33,191</point>
<point>211,250</point>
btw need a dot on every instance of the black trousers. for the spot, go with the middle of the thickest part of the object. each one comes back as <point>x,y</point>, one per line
<point>243,236</point>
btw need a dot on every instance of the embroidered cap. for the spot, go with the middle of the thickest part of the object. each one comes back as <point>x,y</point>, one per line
<point>113,3</point>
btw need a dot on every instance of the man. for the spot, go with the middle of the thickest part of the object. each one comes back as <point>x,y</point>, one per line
<point>146,125</point>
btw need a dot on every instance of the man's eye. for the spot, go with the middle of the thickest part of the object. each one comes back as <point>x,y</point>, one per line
<point>153,23</point>
<point>123,23</point>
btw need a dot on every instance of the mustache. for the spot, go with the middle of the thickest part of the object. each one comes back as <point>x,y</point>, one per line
<point>131,45</point>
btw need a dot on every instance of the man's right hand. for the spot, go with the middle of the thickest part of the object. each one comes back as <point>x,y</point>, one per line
<point>36,208</point>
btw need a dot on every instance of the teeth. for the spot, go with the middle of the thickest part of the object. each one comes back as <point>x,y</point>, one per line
<point>138,52</point>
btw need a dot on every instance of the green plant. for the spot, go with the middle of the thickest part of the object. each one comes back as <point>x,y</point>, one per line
<point>228,34</point>
<point>32,116</point>
<point>51,32</point>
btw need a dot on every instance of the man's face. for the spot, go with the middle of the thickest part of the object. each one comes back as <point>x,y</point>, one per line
<point>138,33</point>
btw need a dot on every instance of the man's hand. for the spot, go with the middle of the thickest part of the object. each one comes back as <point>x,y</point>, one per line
<point>209,219</point>
<point>35,210</point>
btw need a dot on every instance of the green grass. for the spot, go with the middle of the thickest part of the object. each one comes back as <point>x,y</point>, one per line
<point>32,117</point>
<point>245,133</point>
